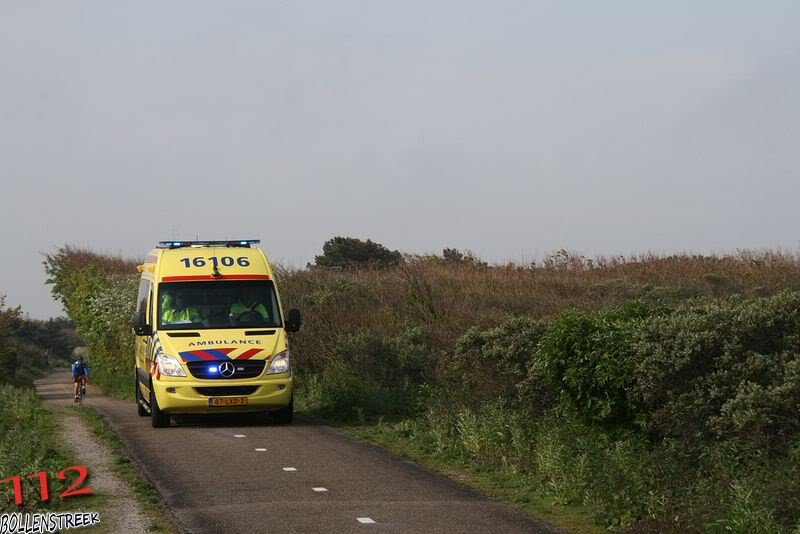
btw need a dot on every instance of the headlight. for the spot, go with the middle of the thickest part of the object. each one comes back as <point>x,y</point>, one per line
<point>280,363</point>
<point>169,366</point>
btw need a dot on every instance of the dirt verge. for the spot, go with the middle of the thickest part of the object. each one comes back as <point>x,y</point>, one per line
<point>120,510</point>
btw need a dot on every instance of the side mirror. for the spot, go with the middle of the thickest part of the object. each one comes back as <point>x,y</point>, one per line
<point>294,320</point>
<point>140,327</point>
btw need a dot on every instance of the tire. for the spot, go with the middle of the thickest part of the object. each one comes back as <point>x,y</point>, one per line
<point>158,418</point>
<point>284,416</point>
<point>81,392</point>
<point>140,409</point>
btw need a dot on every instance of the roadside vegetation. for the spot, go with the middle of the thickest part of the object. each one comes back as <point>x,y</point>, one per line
<point>28,444</point>
<point>98,292</point>
<point>32,436</point>
<point>28,432</point>
<point>148,498</point>
<point>656,393</point>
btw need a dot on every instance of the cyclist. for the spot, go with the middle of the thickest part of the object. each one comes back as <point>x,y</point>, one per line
<point>80,376</point>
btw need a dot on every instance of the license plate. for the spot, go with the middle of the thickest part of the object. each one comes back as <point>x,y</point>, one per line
<point>227,401</point>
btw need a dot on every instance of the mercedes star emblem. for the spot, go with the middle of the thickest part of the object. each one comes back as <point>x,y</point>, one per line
<point>227,369</point>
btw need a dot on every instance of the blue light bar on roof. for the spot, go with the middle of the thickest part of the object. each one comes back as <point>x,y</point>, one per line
<point>232,243</point>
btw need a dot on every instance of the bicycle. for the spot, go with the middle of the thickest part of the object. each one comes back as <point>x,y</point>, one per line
<point>81,393</point>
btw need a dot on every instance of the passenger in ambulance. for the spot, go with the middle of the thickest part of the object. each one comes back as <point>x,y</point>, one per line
<point>249,309</point>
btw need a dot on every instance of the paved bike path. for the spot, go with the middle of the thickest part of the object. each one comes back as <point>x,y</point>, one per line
<point>242,474</point>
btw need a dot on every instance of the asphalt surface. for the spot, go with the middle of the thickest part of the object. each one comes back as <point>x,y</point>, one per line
<point>214,477</point>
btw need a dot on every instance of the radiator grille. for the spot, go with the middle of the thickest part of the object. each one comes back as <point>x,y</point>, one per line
<point>226,391</point>
<point>242,369</point>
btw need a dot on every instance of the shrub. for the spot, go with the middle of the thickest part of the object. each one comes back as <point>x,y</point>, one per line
<point>369,375</point>
<point>503,363</point>
<point>8,352</point>
<point>727,368</point>
<point>346,252</point>
<point>588,360</point>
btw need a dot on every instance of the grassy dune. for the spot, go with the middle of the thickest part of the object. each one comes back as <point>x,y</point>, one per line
<point>651,393</point>
<point>574,379</point>
<point>450,298</point>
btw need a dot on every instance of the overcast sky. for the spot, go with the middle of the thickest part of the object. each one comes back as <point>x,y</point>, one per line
<point>511,128</point>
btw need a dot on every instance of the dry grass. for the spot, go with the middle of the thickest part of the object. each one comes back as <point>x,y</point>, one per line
<point>621,477</point>
<point>450,298</point>
<point>74,259</point>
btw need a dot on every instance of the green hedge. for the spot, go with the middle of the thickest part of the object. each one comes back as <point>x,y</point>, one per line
<point>99,295</point>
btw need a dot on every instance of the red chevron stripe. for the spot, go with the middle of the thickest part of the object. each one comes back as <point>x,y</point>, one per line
<point>200,278</point>
<point>203,355</point>
<point>246,355</point>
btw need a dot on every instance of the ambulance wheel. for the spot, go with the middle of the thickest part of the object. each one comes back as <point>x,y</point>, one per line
<point>284,416</point>
<point>158,418</point>
<point>140,409</point>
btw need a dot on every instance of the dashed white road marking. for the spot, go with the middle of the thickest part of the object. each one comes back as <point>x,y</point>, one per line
<point>320,489</point>
<point>261,449</point>
<point>239,436</point>
<point>365,520</point>
<point>290,469</point>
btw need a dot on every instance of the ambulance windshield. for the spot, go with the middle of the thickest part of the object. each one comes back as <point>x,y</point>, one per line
<point>217,304</point>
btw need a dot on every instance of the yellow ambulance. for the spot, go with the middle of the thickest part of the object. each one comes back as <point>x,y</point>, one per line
<point>210,333</point>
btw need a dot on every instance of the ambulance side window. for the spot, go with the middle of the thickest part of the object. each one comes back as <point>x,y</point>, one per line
<point>150,307</point>
<point>143,297</point>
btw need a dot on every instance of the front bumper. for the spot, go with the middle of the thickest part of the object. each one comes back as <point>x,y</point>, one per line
<point>181,395</point>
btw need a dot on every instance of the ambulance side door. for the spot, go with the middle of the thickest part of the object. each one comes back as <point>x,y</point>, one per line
<point>143,304</point>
